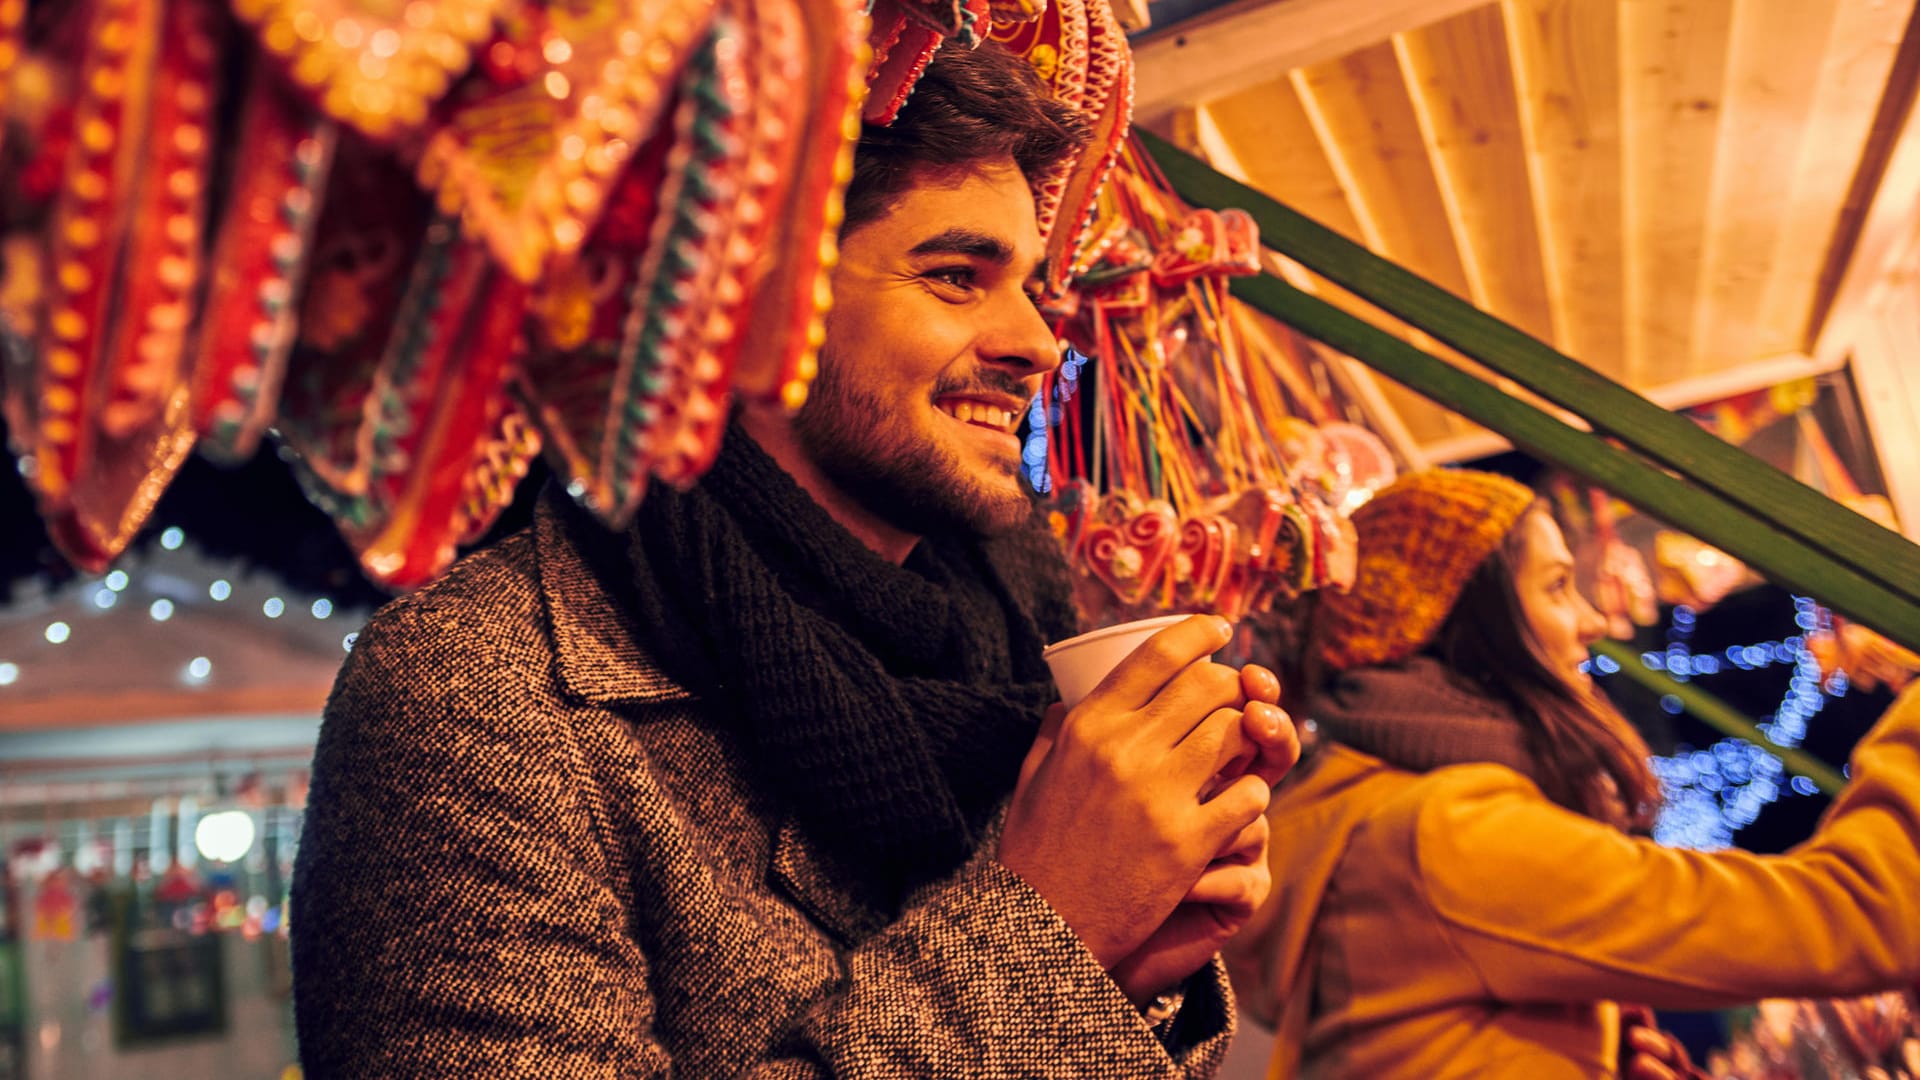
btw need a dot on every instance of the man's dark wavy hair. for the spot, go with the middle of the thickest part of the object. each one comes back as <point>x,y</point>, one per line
<point>971,107</point>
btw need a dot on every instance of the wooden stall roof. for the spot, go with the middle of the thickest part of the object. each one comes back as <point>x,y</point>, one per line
<point>1691,196</point>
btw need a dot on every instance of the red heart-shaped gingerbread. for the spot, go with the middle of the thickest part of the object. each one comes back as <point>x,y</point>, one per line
<point>1131,558</point>
<point>1200,560</point>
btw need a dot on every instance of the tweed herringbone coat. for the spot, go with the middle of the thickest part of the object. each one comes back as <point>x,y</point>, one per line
<point>528,853</point>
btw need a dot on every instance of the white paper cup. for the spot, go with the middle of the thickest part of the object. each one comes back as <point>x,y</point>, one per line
<point>1079,663</point>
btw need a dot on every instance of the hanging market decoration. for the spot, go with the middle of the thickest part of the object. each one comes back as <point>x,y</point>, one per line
<point>419,244</point>
<point>1869,659</point>
<point>1205,473</point>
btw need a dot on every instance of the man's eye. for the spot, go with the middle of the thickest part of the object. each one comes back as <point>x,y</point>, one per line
<point>958,277</point>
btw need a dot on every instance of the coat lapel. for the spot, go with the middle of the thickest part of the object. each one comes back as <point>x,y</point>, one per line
<point>596,648</point>
<point>599,660</point>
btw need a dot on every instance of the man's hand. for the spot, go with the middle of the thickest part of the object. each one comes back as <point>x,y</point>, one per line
<point>1229,891</point>
<point>1118,813</point>
<point>1270,745</point>
<point>1236,883</point>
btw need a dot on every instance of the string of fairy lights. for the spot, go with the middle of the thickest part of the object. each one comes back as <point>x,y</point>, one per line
<point>1043,416</point>
<point>165,591</point>
<point>1713,793</point>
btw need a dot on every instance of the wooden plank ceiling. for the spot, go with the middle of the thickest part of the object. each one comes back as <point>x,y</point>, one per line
<point>1675,192</point>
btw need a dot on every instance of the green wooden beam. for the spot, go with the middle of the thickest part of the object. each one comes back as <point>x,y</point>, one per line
<point>1721,716</point>
<point>1700,510</point>
<point>1785,503</point>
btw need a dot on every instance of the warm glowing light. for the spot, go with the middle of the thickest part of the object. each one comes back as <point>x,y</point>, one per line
<point>224,837</point>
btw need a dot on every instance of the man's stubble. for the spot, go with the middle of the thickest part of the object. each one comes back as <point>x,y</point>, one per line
<point>874,455</point>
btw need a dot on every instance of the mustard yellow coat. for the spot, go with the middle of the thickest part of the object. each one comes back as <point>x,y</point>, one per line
<point>1457,924</point>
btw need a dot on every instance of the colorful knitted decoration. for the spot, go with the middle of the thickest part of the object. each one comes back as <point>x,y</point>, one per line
<point>421,243</point>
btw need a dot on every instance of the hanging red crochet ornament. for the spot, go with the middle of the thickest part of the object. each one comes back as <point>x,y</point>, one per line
<point>262,253</point>
<point>378,66</point>
<point>426,241</point>
<point>111,413</point>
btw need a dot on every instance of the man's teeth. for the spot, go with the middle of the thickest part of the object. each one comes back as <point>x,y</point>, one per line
<point>969,412</point>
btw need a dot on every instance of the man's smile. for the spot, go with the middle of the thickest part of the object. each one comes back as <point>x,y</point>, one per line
<point>992,412</point>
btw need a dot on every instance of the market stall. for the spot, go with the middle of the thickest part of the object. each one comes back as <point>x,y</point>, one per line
<point>416,263</point>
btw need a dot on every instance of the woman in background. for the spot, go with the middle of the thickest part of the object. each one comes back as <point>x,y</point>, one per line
<point>1463,885</point>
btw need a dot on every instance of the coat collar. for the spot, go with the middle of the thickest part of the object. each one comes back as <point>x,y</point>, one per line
<point>599,660</point>
<point>597,651</point>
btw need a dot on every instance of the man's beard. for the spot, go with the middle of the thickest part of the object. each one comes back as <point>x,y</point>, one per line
<point>895,473</point>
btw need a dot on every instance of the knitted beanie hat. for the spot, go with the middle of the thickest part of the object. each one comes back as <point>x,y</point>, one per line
<point>1421,538</point>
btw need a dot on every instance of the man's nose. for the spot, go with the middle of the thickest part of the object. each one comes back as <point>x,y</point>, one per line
<point>1018,338</point>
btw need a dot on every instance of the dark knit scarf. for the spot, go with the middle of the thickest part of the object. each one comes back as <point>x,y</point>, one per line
<point>890,705</point>
<point>1418,716</point>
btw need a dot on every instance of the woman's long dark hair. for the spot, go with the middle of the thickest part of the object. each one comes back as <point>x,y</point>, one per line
<point>1591,759</point>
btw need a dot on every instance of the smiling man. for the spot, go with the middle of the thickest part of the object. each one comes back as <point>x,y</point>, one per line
<point>934,348</point>
<point>763,787</point>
